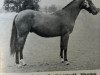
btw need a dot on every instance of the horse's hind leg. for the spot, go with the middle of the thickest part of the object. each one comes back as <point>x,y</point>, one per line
<point>22,62</point>
<point>21,50</point>
<point>20,44</point>
<point>64,43</point>
<point>17,57</point>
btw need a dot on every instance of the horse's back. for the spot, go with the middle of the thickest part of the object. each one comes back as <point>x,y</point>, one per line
<point>25,14</point>
<point>30,14</point>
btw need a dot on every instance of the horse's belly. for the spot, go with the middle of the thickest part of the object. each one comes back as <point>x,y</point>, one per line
<point>45,31</point>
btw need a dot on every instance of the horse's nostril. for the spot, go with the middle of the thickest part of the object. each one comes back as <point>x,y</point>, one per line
<point>94,12</point>
<point>98,10</point>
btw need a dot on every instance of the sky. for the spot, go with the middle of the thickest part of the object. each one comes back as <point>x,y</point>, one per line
<point>62,2</point>
<point>1,3</point>
<point>56,2</point>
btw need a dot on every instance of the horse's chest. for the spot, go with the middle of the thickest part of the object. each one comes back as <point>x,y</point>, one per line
<point>67,28</point>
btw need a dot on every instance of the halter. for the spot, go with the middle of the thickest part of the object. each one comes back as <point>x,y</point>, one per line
<point>86,3</point>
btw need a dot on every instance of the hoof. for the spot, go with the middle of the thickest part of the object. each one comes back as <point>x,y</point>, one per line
<point>19,65</point>
<point>22,62</point>
<point>67,63</point>
<point>62,60</point>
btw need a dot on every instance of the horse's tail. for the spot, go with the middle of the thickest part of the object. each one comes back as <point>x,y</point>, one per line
<point>13,38</point>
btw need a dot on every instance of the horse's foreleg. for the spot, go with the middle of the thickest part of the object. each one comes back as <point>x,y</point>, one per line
<point>61,55</point>
<point>65,39</point>
<point>61,49</point>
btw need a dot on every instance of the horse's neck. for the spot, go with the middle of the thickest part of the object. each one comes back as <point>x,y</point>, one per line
<point>73,10</point>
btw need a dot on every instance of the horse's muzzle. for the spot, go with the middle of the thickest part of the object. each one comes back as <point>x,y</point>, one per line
<point>95,12</point>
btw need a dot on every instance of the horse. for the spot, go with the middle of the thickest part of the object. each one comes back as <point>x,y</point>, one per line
<point>57,24</point>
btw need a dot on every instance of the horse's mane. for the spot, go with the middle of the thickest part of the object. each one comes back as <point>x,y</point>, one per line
<point>69,4</point>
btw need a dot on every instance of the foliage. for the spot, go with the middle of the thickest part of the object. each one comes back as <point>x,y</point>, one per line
<point>19,5</point>
<point>52,8</point>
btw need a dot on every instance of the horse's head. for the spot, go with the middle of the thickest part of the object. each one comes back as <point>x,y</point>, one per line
<point>89,6</point>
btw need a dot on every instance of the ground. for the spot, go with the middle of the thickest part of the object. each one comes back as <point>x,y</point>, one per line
<point>42,54</point>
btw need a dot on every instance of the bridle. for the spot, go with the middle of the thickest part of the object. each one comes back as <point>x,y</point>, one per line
<point>87,4</point>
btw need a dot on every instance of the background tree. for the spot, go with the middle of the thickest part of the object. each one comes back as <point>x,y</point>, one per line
<point>46,9</point>
<point>6,5</point>
<point>52,8</point>
<point>19,5</point>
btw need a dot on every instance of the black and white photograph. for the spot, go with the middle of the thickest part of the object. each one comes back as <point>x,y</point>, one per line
<point>49,36</point>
